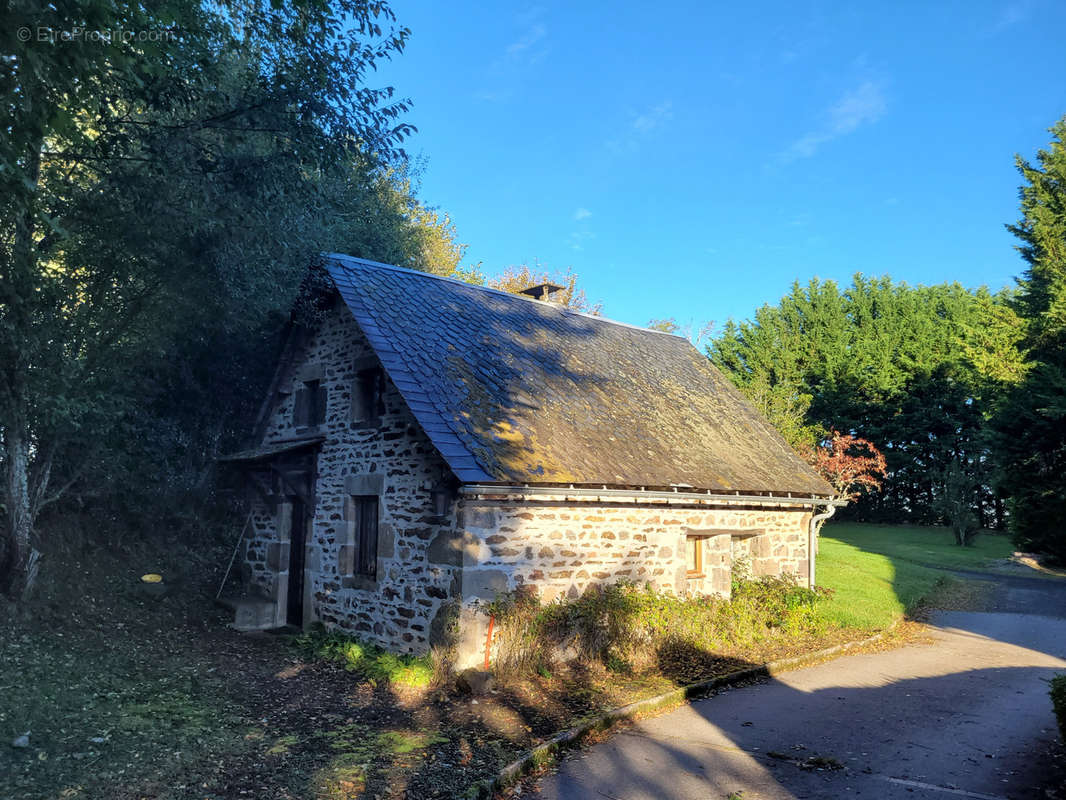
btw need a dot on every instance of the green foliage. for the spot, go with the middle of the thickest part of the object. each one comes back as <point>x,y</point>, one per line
<point>160,203</point>
<point>372,662</point>
<point>622,626</point>
<point>1058,702</point>
<point>915,370</point>
<point>786,407</point>
<point>1030,429</point>
<point>1031,459</point>
<point>956,503</point>
<point>1042,232</point>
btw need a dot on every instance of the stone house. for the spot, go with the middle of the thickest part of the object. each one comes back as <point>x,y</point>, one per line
<point>430,444</point>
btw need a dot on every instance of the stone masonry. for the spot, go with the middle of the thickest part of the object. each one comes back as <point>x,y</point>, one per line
<point>563,549</point>
<point>432,571</point>
<point>405,607</point>
<point>560,548</point>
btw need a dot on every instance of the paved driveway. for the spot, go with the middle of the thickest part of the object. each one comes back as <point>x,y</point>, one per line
<point>966,715</point>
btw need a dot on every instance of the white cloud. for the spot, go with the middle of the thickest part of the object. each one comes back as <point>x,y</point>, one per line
<point>865,104</point>
<point>1012,14</point>
<point>653,118</point>
<point>860,106</point>
<point>529,49</point>
<point>490,96</point>
<point>582,213</point>
<point>578,239</point>
<point>641,126</point>
<point>530,15</point>
<point>523,44</point>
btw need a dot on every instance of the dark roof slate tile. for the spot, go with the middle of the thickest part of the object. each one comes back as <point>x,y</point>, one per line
<point>515,390</point>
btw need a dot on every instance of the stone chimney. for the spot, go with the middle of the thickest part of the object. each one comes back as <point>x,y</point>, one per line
<point>543,292</point>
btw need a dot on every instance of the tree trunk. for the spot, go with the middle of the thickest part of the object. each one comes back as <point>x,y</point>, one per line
<point>19,288</point>
<point>19,512</point>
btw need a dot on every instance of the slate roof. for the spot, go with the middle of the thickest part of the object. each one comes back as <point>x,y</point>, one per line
<point>517,391</point>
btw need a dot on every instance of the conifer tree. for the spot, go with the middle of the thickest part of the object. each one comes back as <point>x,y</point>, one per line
<point>1030,431</point>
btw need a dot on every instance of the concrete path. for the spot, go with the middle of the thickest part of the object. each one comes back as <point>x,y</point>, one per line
<point>966,715</point>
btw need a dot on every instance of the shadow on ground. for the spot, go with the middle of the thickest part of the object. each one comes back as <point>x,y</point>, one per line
<point>965,712</point>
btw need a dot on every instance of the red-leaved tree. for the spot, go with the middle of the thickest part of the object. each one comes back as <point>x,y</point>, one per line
<point>852,465</point>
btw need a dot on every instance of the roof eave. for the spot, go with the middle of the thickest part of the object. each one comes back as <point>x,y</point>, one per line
<point>625,493</point>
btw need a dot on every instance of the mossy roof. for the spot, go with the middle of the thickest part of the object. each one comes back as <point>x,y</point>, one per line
<point>513,390</point>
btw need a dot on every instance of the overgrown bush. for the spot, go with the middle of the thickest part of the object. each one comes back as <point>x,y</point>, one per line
<point>1058,702</point>
<point>370,661</point>
<point>624,626</point>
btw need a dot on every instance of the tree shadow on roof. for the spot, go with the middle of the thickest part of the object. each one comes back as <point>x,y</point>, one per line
<point>539,394</point>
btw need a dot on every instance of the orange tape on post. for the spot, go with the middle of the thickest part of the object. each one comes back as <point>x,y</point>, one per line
<point>488,641</point>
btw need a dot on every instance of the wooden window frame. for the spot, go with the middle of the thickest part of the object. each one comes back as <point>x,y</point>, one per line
<point>365,524</point>
<point>368,396</point>
<point>698,571</point>
<point>309,405</point>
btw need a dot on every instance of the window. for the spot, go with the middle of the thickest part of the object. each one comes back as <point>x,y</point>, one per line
<point>309,406</point>
<point>694,555</point>
<point>363,525</point>
<point>368,395</point>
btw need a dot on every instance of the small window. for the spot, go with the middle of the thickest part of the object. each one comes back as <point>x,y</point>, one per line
<point>363,522</point>
<point>309,407</point>
<point>368,395</point>
<point>694,555</point>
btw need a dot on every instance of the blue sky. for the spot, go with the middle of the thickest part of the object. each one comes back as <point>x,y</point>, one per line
<point>691,160</point>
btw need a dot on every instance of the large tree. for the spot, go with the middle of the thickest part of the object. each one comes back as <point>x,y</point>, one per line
<point>1030,441</point>
<point>165,176</point>
<point>912,369</point>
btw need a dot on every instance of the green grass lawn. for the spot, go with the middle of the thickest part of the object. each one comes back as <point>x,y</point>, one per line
<point>880,572</point>
<point>871,590</point>
<point>931,546</point>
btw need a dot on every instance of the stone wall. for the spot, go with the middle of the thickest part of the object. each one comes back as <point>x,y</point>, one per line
<point>405,607</point>
<point>561,548</point>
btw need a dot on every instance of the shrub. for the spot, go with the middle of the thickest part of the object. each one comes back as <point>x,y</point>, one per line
<point>1058,702</point>
<point>370,661</point>
<point>623,626</point>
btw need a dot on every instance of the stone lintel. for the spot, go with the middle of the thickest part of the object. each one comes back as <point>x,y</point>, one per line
<point>371,483</point>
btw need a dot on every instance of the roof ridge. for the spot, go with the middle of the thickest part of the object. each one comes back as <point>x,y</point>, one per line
<point>417,272</point>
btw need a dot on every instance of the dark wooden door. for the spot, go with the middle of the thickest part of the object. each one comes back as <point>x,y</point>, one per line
<point>298,532</point>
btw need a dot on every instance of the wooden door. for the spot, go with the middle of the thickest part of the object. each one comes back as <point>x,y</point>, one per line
<point>297,551</point>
